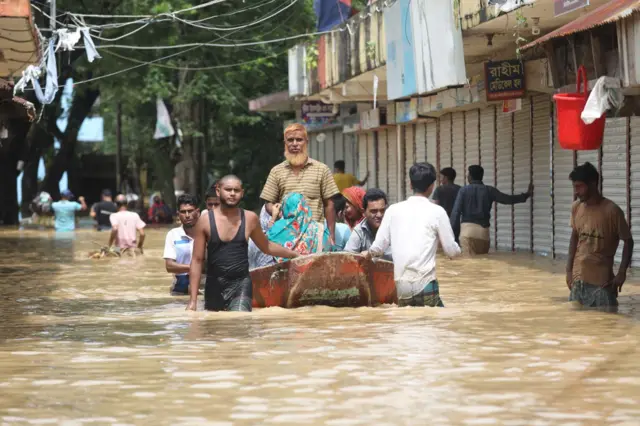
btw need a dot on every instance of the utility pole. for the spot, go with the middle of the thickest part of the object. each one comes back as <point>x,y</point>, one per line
<point>118,146</point>
<point>52,15</point>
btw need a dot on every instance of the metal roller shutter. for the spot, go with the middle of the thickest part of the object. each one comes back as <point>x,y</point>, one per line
<point>320,147</point>
<point>351,150</point>
<point>445,141</point>
<point>372,160</point>
<point>311,146</point>
<point>330,148</point>
<point>409,159</point>
<point>562,197</point>
<point>393,163</point>
<point>542,207</point>
<point>504,144</point>
<point>457,142</point>
<point>363,156</point>
<point>383,177</point>
<point>487,160</point>
<point>635,188</point>
<point>339,152</point>
<point>472,142</point>
<point>431,129</point>
<point>421,142</point>
<point>522,175</point>
<point>592,157</point>
<point>614,166</point>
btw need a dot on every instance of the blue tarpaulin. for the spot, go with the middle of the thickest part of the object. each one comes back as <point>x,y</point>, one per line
<point>331,13</point>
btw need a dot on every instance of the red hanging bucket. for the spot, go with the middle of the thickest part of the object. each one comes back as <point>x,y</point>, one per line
<point>573,133</point>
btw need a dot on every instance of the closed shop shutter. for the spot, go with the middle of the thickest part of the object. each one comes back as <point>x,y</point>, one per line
<point>421,142</point>
<point>504,144</point>
<point>383,157</point>
<point>542,218</point>
<point>330,148</point>
<point>351,154</point>
<point>431,129</point>
<point>590,156</point>
<point>614,166</point>
<point>457,142</point>
<point>472,142</point>
<point>409,157</point>
<point>635,188</point>
<point>487,160</point>
<point>393,162</point>
<point>363,156</point>
<point>445,141</point>
<point>339,151</point>
<point>522,175</point>
<point>562,197</point>
<point>322,146</point>
<point>372,160</point>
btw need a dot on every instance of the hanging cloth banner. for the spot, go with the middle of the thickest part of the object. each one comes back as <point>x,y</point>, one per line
<point>164,129</point>
<point>32,73</point>
<point>89,47</point>
<point>331,13</point>
<point>68,40</point>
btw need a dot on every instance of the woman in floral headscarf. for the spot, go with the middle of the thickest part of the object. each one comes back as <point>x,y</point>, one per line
<point>354,210</point>
<point>296,230</point>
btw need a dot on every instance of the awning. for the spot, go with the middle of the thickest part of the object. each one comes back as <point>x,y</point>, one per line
<point>279,101</point>
<point>19,44</point>
<point>605,14</point>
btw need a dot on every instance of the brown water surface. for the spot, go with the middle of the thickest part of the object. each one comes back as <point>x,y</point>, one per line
<point>86,341</point>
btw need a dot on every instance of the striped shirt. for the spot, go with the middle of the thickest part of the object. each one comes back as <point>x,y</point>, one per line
<point>314,181</point>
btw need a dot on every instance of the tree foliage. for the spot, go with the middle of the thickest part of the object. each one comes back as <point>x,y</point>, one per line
<point>207,97</point>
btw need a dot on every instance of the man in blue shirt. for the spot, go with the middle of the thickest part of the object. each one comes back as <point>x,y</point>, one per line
<point>65,211</point>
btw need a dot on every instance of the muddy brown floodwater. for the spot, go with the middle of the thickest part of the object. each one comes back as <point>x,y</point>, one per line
<point>87,341</point>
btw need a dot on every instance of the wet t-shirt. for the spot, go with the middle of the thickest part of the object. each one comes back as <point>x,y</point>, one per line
<point>126,224</point>
<point>103,210</point>
<point>600,228</point>
<point>446,195</point>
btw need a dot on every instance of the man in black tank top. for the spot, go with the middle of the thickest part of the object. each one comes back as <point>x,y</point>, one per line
<point>224,232</point>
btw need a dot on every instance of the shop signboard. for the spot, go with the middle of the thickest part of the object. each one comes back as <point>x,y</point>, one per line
<point>504,80</point>
<point>316,115</point>
<point>406,111</point>
<point>560,7</point>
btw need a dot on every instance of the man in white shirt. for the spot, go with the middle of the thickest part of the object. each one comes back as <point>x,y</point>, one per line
<point>413,228</point>
<point>178,246</point>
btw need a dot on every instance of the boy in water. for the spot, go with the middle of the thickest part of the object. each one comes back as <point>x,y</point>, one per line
<point>179,244</point>
<point>211,197</point>
<point>224,231</point>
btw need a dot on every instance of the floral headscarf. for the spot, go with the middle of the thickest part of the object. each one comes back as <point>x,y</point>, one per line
<point>296,230</point>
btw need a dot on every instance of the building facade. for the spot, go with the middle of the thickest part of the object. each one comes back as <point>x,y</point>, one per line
<point>425,89</point>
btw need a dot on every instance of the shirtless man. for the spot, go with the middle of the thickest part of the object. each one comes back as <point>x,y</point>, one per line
<point>224,231</point>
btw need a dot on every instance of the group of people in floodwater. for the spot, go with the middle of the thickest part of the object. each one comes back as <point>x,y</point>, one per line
<point>308,209</point>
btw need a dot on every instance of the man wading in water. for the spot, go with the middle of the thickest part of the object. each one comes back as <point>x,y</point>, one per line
<point>413,229</point>
<point>598,225</point>
<point>225,231</point>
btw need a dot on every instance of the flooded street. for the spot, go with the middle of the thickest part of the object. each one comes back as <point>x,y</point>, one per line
<point>102,341</point>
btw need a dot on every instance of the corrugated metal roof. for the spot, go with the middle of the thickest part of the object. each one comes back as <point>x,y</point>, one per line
<point>605,14</point>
